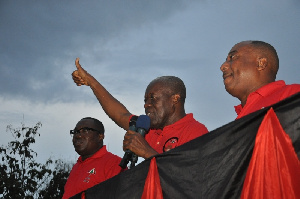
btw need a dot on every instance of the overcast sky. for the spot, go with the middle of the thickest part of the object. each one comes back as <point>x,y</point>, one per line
<point>125,44</point>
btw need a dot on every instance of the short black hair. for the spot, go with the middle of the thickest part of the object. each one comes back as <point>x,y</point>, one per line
<point>97,122</point>
<point>267,49</point>
<point>264,46</point>
<point>175,84</point>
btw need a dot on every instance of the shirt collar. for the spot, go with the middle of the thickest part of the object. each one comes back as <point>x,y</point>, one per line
<point>98,154</point>
<point>263,91</point>
<point>269,88</point>
<point>185,119</point>
<point>177,124</point>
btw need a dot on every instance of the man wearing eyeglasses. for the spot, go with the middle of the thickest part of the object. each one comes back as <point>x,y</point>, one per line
<point>95,163</point>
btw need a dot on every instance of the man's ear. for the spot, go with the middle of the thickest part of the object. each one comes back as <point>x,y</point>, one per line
<point>176,98</point>
<point>262,63</point>
<point>101,136</point>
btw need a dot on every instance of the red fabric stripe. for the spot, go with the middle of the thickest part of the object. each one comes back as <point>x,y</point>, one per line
<point>274,169</point>
<point>83,195</point>
<point>152,188</point>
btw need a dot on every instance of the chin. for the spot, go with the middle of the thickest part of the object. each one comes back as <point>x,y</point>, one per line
<point>79,150</point>
<point>227,89</point>
<point>154,126</point>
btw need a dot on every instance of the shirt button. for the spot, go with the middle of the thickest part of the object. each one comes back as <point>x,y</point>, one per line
<point>157,143</point>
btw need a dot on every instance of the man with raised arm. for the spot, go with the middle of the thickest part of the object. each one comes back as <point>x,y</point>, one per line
<point>164,104</point>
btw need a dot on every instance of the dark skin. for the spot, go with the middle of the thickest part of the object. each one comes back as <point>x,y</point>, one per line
<point>161,105</point>
<point>245,70</point>
<point>87,143</point>
<point>163,109</point>
<point>112,107</point>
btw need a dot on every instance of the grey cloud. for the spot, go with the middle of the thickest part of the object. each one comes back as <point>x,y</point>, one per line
<point>35,34</point>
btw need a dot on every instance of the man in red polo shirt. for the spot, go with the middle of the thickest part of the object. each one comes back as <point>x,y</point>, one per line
<point>164,103</point>
<point>95,163</point>
<point>249,74</point>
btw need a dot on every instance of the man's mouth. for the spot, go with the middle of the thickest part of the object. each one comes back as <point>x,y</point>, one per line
<point>226,75</point>
<point>150,115</point>
<point>148,112</point>
<point>77,142</point>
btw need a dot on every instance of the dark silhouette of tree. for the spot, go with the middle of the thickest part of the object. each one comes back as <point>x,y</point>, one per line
<point>55,187</point>
<point>23,177</point>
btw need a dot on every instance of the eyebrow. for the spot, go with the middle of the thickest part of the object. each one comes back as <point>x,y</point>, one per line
<point>232,52</point>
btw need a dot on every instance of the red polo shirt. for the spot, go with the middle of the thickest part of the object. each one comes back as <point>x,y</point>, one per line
<point>176,134</point>
<point>93,170</point>
<point>266,96</point>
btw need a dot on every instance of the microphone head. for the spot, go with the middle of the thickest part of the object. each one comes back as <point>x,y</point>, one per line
<point>143,121</point>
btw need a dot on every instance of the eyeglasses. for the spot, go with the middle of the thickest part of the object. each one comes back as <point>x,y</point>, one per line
<point>82,131</point>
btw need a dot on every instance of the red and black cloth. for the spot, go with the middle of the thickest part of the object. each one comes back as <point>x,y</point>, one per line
<point>256,156</point>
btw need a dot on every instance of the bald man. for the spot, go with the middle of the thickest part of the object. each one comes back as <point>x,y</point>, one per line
<point>249,74</point>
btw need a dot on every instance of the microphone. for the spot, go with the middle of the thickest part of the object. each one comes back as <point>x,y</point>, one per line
<point>141,126</point>
<point>128,154</point>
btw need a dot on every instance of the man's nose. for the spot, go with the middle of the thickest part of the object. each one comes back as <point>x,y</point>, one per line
<point>147,104</point>
<point>224,66</point>
<point>77,135</point>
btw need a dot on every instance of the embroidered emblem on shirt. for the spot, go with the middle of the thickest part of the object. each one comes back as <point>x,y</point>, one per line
<point>91,172</point>
<point>170,144</point>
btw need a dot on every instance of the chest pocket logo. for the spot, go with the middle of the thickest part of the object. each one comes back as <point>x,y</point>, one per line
<point>170,144</point>
<point>91,172</point>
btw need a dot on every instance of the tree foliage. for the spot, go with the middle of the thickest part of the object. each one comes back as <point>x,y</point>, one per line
<point>55,186</point>
<point>22,176</point>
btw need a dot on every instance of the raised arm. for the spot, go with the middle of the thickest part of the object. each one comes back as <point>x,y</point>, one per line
<point>112,107</point>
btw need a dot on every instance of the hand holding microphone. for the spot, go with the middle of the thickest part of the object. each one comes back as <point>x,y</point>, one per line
<point>134,143</point>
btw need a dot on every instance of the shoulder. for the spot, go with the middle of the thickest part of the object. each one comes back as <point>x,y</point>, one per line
<point>111,156</point>
<point>293,86</point>
<point>291,89</point>
<point>196,125</point>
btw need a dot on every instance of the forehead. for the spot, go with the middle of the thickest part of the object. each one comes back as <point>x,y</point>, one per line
<point>86,123</point>
<point>240,47</point>
<point>156,88</point>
